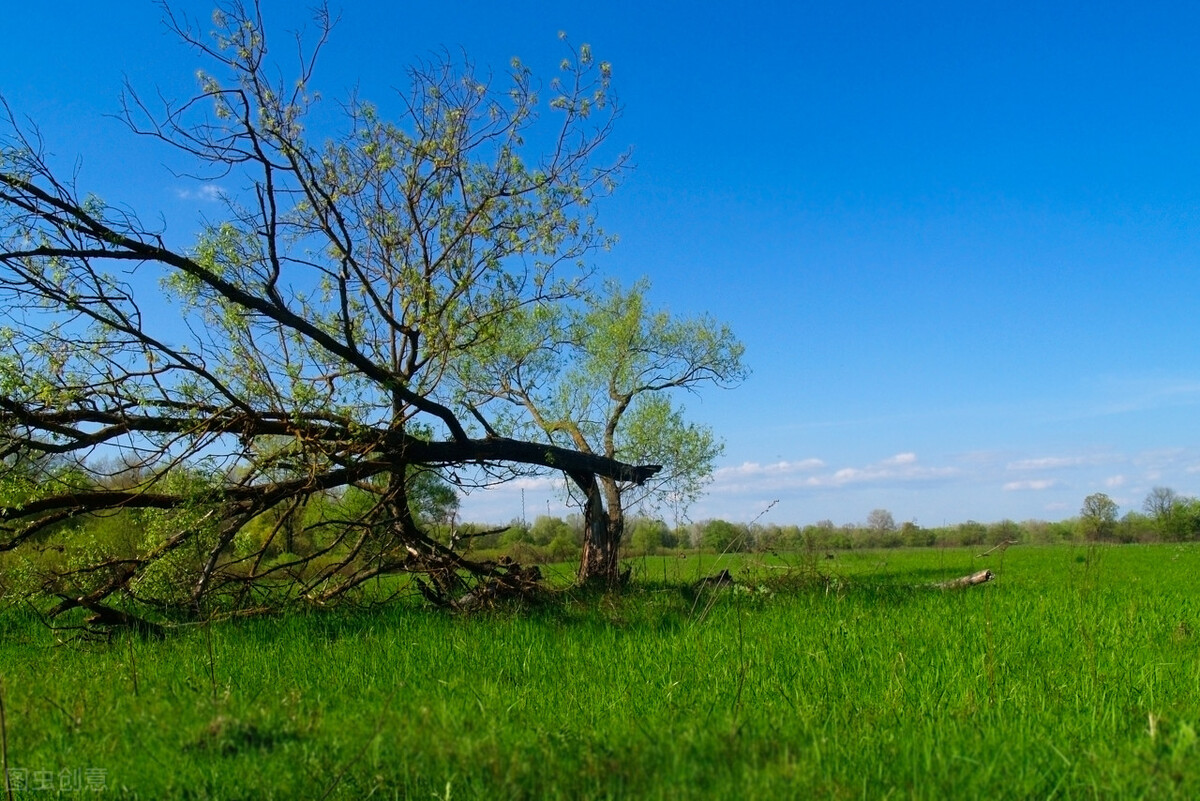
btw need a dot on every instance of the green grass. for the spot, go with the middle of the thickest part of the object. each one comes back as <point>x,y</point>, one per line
<point>1075,674</point>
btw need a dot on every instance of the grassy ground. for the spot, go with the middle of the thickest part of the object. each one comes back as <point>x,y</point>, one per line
<point>1075,674</point>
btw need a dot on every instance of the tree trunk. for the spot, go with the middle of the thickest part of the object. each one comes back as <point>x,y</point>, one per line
<point>601,536</point>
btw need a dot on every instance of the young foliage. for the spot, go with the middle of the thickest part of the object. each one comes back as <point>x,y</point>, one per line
<point>602,375</point>
<point>314,330</point>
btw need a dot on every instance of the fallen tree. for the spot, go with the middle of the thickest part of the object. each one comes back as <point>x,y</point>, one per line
<point>291,374</point>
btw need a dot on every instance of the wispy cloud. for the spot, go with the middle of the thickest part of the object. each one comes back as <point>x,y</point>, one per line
<point>903,467</point>
<point>754,469</point>
<point>1132,394</point>
<point>811,474</point>
<point>1162,459</point>
<point>1143,394</point>
<point>1035,484</point>
<point>1051,462</point>
<point>208,193</point>
<point>771,477</point>
<point>1011,483</point>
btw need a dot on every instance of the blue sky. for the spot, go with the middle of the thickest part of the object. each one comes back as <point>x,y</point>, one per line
<point>960,241</point>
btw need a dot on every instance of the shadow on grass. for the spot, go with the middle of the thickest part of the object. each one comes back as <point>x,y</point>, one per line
<point>644,604</point>
<point>228,736</point>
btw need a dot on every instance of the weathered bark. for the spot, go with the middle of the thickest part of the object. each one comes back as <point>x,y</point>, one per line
<point>602,535</point>
<point>502,449</point>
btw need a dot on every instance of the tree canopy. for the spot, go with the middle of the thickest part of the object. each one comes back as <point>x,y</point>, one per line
<point>597,375</point>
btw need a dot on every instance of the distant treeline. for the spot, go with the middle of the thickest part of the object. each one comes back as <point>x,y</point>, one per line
<point>1168,518</point>
<point>297,540</point>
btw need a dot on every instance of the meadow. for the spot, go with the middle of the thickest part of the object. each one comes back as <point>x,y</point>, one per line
<point>1074,674</point>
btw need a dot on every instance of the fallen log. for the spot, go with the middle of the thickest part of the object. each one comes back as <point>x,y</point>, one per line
<point>982,577</point>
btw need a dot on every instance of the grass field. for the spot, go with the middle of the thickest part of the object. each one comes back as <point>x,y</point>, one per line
<point>1076,674</point>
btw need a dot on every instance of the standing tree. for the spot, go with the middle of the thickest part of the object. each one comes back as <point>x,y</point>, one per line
<point>314,334</point>
<point>597,376</point>
<point>1159,504</point>
<point>1098,516</point>
<point>880,521</point>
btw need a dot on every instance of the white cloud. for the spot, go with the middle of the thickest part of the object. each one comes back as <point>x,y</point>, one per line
<point>901,467</point>
<point>755,477</point>
<point>1031,484</point>
<point>750,469</point>
<point>1049,463</point>
<point>810,474</point>
<point>968,485</point>
<point>209,193</point>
